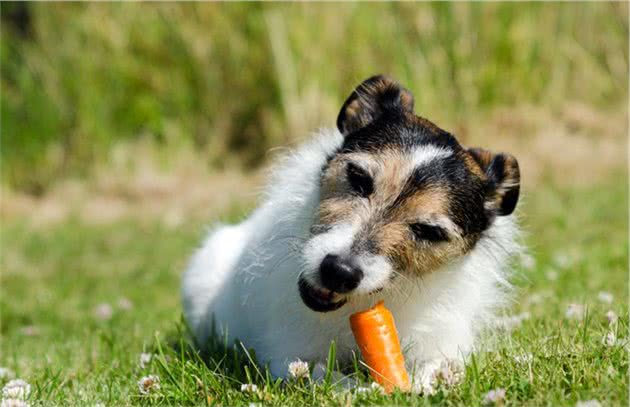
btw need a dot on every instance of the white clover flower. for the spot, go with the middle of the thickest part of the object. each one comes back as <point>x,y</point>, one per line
<point>6,373</point>
<point>372,388</point>
<point>103,312</point>
<point>13,403</point>
<point>610,339</point>
<point>605,297</point>
<point>249,388</point>
<point>145,359</point>
<point>612,317</point>
<point>588,403</point>
<point>149,384</point>
<point>377,388</point>
<point>552,275</point>
<point>495,396</point>
<point>509,323</point>
<point>124,304</point>
<point>524,358</point>
<point>29,330</point>
<point>362,389</point>
<point>450,373</point>
<point>528,262</point>
<point>535,298</point>
<point>298,369</point>
<point>562,260</point>
<point>575,311</point>
<point>16,389</point>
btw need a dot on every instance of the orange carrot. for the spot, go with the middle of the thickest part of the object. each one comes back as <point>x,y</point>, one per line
<point>375,333</point>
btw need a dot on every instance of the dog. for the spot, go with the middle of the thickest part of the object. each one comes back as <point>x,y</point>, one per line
<point>386,206</point>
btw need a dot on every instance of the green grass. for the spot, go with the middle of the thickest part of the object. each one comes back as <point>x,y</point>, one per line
<point>85,82</point>
<point>53,277</point>
<point>230,81</point>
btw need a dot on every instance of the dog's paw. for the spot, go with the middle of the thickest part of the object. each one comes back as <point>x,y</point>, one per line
<point>424,380</point>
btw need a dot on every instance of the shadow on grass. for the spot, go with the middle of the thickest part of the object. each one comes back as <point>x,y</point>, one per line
<point>209,374</point>
<point>217,372</point>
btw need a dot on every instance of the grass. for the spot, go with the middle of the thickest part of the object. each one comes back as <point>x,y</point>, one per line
<point>122,94</point>
<point>230,81</point>
<point>54,277</point>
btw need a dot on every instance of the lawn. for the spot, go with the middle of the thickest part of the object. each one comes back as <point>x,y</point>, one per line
<point>127,129</point>
<point>81,302</point>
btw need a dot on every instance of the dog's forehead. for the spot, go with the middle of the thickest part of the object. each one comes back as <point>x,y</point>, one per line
<point>392,168</point>
<point>402,132</point>
<point>410,181</point>
<point>419,171</point>
<point>412,150</point>
<point>406,158</point>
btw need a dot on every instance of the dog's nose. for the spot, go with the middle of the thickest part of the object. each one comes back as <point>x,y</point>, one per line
<point>339,274</point>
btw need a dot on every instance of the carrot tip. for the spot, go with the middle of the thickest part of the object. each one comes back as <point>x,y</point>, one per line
<point>375,333</point>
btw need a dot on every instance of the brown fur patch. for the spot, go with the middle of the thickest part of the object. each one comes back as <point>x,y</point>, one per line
<point>370,99</point>
<point>430,202</point>
<point>482,157</point>
<point>396,242</point>
<point>334,210</point>
<point>504,171</point>
<point>385,228</point>
<point>473,165</point>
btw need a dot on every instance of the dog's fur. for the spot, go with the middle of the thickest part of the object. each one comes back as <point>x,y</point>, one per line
<point>427,222</point>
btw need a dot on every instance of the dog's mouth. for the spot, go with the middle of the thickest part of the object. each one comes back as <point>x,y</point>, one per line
<point>318,299</point>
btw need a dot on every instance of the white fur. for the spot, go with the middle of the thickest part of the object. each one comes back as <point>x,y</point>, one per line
<point>244,277</point>
<point>423,155</point>
<point>337,241</point>
<point>376,269</point>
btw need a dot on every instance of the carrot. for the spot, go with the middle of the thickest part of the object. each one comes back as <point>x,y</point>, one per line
<point>376,336</point>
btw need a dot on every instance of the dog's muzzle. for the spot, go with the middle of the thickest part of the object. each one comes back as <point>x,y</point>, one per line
<point>318,299</point>
<point>340,274</point>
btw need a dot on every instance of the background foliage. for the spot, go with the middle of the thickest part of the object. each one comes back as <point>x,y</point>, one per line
<point>232,80</point>
<point>126,128</point>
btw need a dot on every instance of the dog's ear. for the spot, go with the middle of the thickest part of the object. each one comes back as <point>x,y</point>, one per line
<point>503,177</point>
<point>371,99</point>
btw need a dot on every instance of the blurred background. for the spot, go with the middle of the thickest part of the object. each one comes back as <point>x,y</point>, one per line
<point>128,128</point>
<point>116,106</point>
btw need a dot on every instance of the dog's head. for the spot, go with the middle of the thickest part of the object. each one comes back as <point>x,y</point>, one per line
<point>400,197</point>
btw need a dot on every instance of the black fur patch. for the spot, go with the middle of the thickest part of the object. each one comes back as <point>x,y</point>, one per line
<point>378,115</point>
<point>465,190</point>
<point>360,180</point>
<point>429,233</point>
<point>394,130</point>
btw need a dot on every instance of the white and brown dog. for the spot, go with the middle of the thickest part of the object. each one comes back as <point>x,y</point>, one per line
<point>387,206</point>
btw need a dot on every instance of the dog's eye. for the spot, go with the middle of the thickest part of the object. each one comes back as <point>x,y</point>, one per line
<point>430,233</point>
<point>360,180</point>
